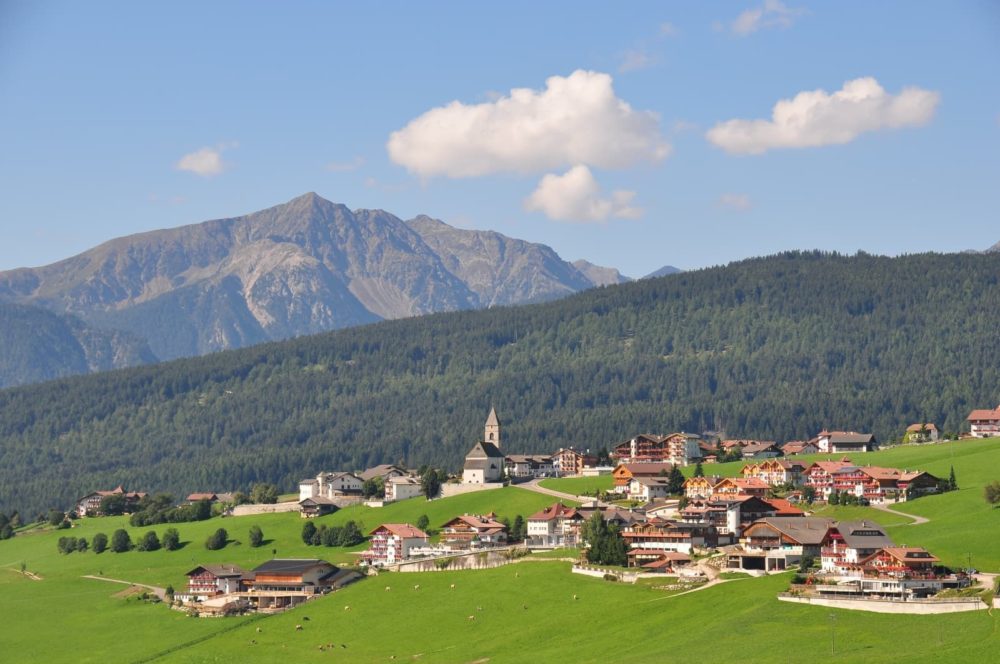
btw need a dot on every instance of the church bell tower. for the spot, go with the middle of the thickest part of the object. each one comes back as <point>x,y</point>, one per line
<point>491,433</point>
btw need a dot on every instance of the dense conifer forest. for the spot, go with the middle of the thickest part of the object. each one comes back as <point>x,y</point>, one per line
<point>773,348</point>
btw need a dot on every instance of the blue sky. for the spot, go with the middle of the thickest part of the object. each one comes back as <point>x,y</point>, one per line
<point>642,135</point>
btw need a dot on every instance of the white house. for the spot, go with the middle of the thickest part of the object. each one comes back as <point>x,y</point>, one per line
<point>392,542</point>
<point>984,423</point>
<point>330,485</point>
<point>401,488</point>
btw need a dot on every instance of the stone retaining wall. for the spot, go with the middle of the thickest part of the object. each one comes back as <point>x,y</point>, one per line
<point>916,606</point>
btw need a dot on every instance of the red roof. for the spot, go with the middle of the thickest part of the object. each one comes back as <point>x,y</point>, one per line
<point>783,507</point>
<point>984,414</point>
<point>556,511</point>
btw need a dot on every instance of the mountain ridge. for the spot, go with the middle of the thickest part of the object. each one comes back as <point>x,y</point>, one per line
<point>301,267</point>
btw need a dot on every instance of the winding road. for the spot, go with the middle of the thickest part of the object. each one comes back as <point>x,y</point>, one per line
<point>533,485</point>
<point>156,590</point>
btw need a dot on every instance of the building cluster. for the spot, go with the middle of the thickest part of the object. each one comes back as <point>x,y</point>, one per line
<point>276,585</point>
<point>856,558</point>
<point>331,490</point>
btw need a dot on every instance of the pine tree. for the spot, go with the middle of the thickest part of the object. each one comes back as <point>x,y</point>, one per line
<point>676,484</point>
<point>698,470</point>
<point>952,482</point>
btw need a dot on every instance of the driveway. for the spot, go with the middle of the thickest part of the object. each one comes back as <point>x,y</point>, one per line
<point>533,485</point>
<point>159,592</point>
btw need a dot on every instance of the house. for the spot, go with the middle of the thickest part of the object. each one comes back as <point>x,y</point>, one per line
<point>699,488</point>
<point>624,473</point>
<point>762,450</point>
<point>316,506</point>
<point>484,464</point>
<point>679,449</point>
<point>646,540</point>
<point>555,526</point>
<point>837,442</point>
<point>90,505</point>
<point>471,531</point>
<point>382,472</point>
<point>775,472</point>
<point>984,423</point>
<point>283,583</point>
<point>819,476</point>
<point>649,488</point>
<point>401,488</point>
<point>733,486</point>
<point>391,543</point>
<point>568,461</point>
<point>921,432</point>
<point>778,543</point>
<point>206,581</point>
<point>851,542</point>
<point>799,447</point>
<point>529,465</point>
<point>657,562</point>
<point>331,485</point>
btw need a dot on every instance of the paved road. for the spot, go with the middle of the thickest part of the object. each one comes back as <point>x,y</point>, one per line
<point>917,520</point>
<point>159,592</point>
<point>534,485</point>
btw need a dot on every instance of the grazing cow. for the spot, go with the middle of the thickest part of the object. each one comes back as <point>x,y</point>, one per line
<point>387,588</point>
<point>472,617</point>
<point>575,597</point>
<point>298,628</point>
<point>453,586</point>
<point>416,587</point>
<point>347,608</point>
<point>259,630</point>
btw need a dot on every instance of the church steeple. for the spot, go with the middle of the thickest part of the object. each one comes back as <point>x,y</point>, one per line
<point>491,433</point>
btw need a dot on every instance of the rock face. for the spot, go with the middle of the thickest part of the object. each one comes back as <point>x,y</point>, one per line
<point>37,345</point>
<point>994,249</point>
<point>303,267</point>
<point>600,276</point>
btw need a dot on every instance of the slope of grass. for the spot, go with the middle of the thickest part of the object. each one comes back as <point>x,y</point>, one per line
<point>579,485</point>
<point>539,612</point>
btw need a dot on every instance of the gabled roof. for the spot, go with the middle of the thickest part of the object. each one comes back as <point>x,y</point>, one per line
<point>195,497</point>
<point>555,511</point>
<point>983,414</point>
<point>316,500</point>
<point>219,571</point>
<point>646,469</point>
<point>404,530</point>
<point>291,566</point>
<point>864,535</point>
<point>806,530</point>
<point>381,470</point>
<point>929,426</point>
<point>910,554</point>
<point>783,507</point>
<point>850,437</point>
<point>476,521</point>
<point>483,450</point>
<point>754,448</point>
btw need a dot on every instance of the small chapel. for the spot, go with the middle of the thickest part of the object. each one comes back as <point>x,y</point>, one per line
<point>484,463</point>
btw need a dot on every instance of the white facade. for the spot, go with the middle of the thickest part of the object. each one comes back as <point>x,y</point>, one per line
<point>330,485</point>
<point>401,488</point>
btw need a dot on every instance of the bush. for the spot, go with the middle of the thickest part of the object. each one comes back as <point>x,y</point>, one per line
<point>171,539</point>
<point>81,544</point>
<point>264,493</point>
<point>256,536</point>
<point>217,540</point>
<point>66,544</point>
<point>149,542</point>
<point>120,541</point>
<point>308,530</point>
<point>100,543</point>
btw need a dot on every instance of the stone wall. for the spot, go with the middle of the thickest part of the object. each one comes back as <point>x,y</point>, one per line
<point>916,606</point>
<point>263,508</point>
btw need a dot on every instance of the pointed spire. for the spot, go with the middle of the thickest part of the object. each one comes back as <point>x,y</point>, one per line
<point>491,420</point>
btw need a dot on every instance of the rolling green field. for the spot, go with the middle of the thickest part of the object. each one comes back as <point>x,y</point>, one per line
<point>579,485</point>
<point>527,611</point>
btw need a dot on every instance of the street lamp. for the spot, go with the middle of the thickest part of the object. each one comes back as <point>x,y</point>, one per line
<point>833,634</point>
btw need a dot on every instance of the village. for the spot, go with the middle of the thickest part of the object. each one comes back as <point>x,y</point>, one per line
<point>663,523</point>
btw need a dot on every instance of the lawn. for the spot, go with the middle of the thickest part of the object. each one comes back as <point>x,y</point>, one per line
<point>560,617</point>
<point>579,486</point>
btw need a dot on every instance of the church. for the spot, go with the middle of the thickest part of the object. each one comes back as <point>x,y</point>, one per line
<point>484,463</point>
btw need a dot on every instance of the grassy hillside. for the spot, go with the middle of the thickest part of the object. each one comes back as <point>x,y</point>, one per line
<point>532,603</point>
<point>774,348</point>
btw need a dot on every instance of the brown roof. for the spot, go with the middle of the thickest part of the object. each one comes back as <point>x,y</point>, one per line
<point>911,554</point>
<point>195,497</point>
<point>808,530</point>
<point>401,530</point>
<point>556,511</point>
<point>647,469</point>
<point>918,426</point>
<point>982,414</point>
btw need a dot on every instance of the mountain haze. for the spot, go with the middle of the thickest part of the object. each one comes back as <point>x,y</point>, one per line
<point>295,269</point>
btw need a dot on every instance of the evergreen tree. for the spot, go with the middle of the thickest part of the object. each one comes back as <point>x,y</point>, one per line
<point>430,484</point>
<point>308,530</point>
<point>834,497</point>
<point>149,542</point>
<point>351,534</point>
<point>698,470</point>
<point>518,530</point>
<point>676,484</point>
<point>81,544</point>
<point>952,482</point>
<point>423,522</point>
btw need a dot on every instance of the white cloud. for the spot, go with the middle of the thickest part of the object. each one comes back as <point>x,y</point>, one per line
<point>576,196</point>
<point>205,162</point>
<point>817,118</point>
<point>346,166</point>
<point>738,202</point>
<point>636,59</point>
<point>772,14</point>
<point>576,119</point>
<point>668,29</point>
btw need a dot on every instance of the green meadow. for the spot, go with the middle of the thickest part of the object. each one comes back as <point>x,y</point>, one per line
<point>523,613</point>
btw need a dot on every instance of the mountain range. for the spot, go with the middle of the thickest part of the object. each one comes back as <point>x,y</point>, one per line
<point>299,268</point>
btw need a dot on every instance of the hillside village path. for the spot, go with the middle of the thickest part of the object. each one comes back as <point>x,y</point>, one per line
<point>917,520</point>
<point>156,590</point>
<point>533,485</point>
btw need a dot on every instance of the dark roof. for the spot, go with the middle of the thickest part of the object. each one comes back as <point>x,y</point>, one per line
<point>478,464</point>
<point>864,535</point>
<point>808,530</point>
<point>316,500</point>
<point>856,438</point>
<point>381,470</point>
<point>291,565</point>
<point>220,571</point>
<point>485,450</point>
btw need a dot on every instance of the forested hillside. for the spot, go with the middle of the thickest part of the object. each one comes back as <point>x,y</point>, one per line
<point>776,348</point>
